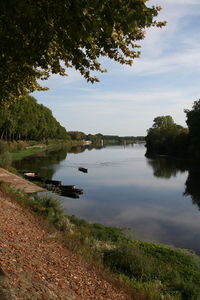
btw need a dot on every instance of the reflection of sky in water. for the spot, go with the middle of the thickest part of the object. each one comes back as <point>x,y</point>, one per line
<point>120,190</point>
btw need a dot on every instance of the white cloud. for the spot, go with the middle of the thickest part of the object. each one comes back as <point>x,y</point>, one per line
<point>190,60</point>
<point>178,2</point>
<point>121,113</point>
<point>162,82</point>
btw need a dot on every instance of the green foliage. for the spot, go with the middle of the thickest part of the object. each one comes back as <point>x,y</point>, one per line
<point>178,271</point>
<point>46,35</point>
<point>163,122</point>
<point>157,272</point>
<point>48,206</point>
<point>98,231</point>
<point>107,233</point>
<point>127,259</point>
<point>193,122</point>
<point>166,137</point>
<point>28,120</point>
<point>3,147</point>
<point>154,290</point>
<point>5,157</point>
<point>77,135</point>
<point>5,160</point>
<point>24,153</point>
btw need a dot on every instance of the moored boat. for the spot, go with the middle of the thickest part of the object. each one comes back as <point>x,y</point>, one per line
<point>84,170</point>
<point>69,194</point>
<point>33,176</point>
<point>72,189</point>
<point>53,182</point>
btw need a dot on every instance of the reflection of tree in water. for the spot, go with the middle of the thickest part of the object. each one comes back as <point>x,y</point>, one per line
<point>166,167</point>
<point>77,149</point>
<point>192,185</point>
<point>43,162</point>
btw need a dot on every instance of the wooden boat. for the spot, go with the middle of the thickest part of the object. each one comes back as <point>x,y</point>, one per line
<point>33,176</point>
<point>30,174</point>
<point>69,194</point>
<point>53,182</point>
<point>72,189</point>
<point>83,170</point>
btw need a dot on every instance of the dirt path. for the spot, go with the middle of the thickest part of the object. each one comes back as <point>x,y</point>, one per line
<point>18,182</point>
<point>39,268</point>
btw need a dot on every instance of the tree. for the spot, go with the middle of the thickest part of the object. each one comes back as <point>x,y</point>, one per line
<point>42,37</point>
<point>29,120</point>
<point>163,122</point>
<point>193,122</point>
<point>166,137</point>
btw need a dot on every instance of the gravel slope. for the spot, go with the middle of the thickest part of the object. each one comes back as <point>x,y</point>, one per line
<point>38,267</point>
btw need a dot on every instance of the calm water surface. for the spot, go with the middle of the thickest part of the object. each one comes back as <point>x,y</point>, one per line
<point>158,198</point>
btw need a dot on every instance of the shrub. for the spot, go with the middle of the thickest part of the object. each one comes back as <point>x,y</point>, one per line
<point>129,260</point>
<point>178,271</point>
<point>48,206</point>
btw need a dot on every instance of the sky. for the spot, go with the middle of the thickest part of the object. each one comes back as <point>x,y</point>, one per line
<point>163,81</point>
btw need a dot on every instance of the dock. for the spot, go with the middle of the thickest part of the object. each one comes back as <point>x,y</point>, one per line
<point>19,182</point>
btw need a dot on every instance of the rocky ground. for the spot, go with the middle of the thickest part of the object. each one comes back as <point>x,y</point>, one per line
<point>36,266</point>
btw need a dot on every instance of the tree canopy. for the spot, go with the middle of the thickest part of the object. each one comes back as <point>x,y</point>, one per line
<point>163,122</point>
<point>42,37</point>
<point>193,122</point>
<point>28,120</point>
<point>166,137</point>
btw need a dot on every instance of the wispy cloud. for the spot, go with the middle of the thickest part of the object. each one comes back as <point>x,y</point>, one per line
<point>126,113</point>
<point>188,60</point>
<point>163,81</point>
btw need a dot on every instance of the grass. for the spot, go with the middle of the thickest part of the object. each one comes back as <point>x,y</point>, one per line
<point>151,271</point>
<point>24,152</point>
<point>52,145</point>
<point>21,149</point>
<point>145,263</point>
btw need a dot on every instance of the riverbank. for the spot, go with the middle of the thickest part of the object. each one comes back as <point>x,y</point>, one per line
<point>144,270</point>
<point>30,148</point>
<point>14,151</point>
<point>38,266</point>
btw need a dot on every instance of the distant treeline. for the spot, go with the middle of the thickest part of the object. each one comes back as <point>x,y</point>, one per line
<point>28,120</point>
<point>166,137</point>
<point>98,139</point>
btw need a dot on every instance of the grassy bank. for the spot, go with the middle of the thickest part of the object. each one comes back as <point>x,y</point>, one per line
<point>12,151</point>
<point>148,270</point>
<point>25,152</point>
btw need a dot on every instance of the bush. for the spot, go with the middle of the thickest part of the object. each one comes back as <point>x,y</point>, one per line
<point>48,206</point>
<point>129,260</point>
<point>178,271</point>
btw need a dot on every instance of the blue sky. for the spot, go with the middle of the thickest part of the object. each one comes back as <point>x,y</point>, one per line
<point>163,81</point>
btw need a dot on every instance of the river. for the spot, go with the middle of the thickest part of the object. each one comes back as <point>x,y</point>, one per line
<point>159,199</point>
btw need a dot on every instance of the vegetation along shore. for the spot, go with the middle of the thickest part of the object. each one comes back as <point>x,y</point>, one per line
<point>132,269</point>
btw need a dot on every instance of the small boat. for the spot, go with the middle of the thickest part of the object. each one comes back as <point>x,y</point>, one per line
<point>53,182</point>
<point>83,170</point>
<point>30,174</point>
<point>69,194</point>
<point>72,189</point>
<point>33,176</point>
